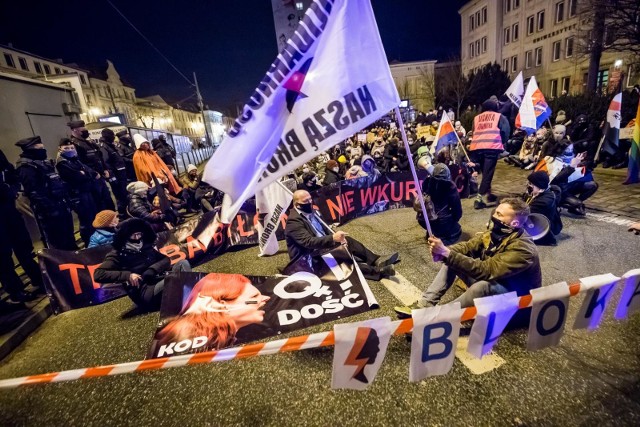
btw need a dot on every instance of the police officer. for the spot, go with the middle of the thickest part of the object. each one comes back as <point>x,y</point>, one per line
<point>79,177</point>
<point>89,153</point>
<point>47,194</point>
<point>117,168</point>
<point>14,239</point>
<point>168,153</point>
<point>490,132</point>
<point>123,145</point>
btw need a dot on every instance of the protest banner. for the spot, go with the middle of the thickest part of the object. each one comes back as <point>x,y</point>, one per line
<point>202,312</point>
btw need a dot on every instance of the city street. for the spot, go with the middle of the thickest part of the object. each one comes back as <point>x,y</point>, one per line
<point>591,378</point>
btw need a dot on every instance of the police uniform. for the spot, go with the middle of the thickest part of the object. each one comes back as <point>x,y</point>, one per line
<point>80,178</point>
<point>47,195</point>
<point>14,238</point>
<point>118,172</point>
<point>90,154</point>
<point>126,152</point>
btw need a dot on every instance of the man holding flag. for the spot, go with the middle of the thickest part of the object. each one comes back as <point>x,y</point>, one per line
<point>490,132</point>
<point>446,134</point>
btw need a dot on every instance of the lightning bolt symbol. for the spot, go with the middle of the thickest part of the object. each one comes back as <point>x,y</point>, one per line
<point>352,359</point>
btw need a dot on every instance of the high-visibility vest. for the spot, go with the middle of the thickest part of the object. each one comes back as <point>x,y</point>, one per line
<point>486,133</point>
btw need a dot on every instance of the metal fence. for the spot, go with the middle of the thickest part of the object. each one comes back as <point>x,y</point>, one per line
<point>194,157</point>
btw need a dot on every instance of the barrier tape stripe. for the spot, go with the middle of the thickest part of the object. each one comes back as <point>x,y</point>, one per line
<point>304,342</point>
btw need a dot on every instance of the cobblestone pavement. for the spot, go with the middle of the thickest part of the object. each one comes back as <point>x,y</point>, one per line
<point>612,197</point>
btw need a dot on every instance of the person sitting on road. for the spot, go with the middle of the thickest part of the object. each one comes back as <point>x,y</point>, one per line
<point>190,183</point>
<point>105,224</point>
<point>543,200</point>
<point>135,262</point>
<point>140,207</point>
<point>446,202</point>
<point>526,155</point>
<point>500,260</point>
<point>306,234</point>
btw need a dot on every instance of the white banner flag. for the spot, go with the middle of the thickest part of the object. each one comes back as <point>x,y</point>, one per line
<point>434,339</point>
<point>272,201</point>
<point>330,81</point>
<point>515,92</point>
<point>630,299</point>
<point>599,290</point>
<point>359,351</point>
<point>494,313</point>
<point>550,305</point>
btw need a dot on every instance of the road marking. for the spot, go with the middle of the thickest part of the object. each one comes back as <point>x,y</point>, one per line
<point>407,294</point>
<point>610,219</point>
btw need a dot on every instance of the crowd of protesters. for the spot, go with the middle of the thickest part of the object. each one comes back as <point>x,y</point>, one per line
<point>150,197</point>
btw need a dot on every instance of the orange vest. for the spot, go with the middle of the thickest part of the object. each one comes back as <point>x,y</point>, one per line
<point>486,133</point>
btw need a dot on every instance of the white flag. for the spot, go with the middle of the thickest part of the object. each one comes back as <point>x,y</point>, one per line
<point>330,81</point>
<point>599,290</point>
<point>494,313</point>
<point>630,299</point>
<point>272,201</point>
<point>550,305</point>
<point>515,92</point>
<point>434,339</point>
<point>359,351</point>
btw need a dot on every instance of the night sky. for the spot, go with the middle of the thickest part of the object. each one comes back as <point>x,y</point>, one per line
<point>229,44</point>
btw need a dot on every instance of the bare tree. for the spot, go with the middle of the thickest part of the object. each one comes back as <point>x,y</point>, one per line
<point>404,89</point>
<point>454,88</point>
<point>427,87</point>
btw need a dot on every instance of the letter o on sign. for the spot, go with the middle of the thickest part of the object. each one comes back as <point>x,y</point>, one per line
<point>183,345</point>
<point>311,311</point>
<point>314,286</point>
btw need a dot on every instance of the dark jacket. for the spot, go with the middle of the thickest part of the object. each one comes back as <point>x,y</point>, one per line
<point>163,151</point>
<point>302,239</point>
<point>90,154</point>
<point>140,207</point>
<point>121,262</point>
<point>8,180</point>
<point>330,177</point>
<point>42,184</point>
<point>446,201</point>
<point>545,204</point>
<point>514,263</point>
<point>76,174</point>
<point>126,152</point>
<point>115,162</point>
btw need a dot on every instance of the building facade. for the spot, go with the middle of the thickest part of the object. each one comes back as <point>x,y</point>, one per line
<point>538,37</point>
<point>286,15</point>
<point>415,82</point>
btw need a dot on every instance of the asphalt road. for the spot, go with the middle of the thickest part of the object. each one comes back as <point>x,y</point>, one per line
<point>592,378</point>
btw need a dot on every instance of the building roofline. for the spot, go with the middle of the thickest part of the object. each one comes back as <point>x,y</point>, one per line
<point>412,62</point>
<point>36,82</point>
<point>42,57</point>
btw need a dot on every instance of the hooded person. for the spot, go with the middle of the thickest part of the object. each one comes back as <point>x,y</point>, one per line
<point>135,262</point>
<point>309,182</point>
<point>542,200</point>
<point>146,162</point>
<point>369,167</point>
<point>331,173</point>
<point>447,208</point>
<point>162,150</point>
<point>141,207</point>
<point>124,146</point>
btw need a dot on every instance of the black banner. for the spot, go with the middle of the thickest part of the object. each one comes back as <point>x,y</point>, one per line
<point>210,311</point>
<point>68,275</point>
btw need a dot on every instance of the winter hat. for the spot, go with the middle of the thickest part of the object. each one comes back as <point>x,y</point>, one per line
<point>139,139</point>
<point>191,167</point>
<point>138,187</point>
<point>342,159</point>
<point>540,179</point>
<point>332,164</point>
<point>441,171</point>
<point>561,117</point>
<point>103,219</point>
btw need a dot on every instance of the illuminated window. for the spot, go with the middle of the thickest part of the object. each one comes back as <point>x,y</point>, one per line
<point>9,60</point>
<point>299,5</point>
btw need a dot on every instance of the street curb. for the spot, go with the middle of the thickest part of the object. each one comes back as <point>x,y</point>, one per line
<point>11,341</point>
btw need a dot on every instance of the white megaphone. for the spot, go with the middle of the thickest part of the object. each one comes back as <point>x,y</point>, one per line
<point>537,226</point>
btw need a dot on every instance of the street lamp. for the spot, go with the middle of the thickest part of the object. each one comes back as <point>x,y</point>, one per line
<point>618,63</point>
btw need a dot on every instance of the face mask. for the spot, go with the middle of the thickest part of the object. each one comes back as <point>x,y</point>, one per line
<point>529,189</point>
<point>84,134</point>
<point>37,153</point>
<point>135,247</point>
<point>499,230</point>
<point>306,208</point>
<point>335,170</point>
<point>109,138</point>
<point>69,154</point>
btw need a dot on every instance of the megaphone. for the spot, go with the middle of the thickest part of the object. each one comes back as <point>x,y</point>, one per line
<point>537,226</point>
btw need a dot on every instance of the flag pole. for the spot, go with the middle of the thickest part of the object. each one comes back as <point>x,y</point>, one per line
<point>289,191</point>
<point>413,171</point>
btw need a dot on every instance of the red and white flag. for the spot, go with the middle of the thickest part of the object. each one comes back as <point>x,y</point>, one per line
<point>331,80</point>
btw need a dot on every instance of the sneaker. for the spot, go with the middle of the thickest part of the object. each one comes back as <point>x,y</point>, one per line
<point>384,261</point>
<point>531,166</point>
<point>404,311</point>
<point>479,204</point>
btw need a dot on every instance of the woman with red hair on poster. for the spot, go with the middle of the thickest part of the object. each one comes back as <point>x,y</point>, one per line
<point>217,307</point>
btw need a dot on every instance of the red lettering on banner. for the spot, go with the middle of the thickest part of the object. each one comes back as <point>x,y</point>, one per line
<point>396,197</point>
<point>241,230</point>
<point>173,252</point>
<point>73,272</point>
<point>347,196</point>
<point>194,245</point>
<point>333,208</point>
<point>411,190</point>
<point>382,193</point>
<point>368,195</point>
<point>92,269</point>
